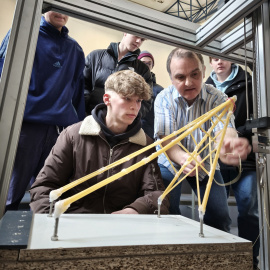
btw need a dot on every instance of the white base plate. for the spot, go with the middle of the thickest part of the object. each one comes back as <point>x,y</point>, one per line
<point>95,230</point>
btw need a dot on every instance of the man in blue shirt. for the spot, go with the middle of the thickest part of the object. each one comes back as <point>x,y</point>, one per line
<point>182,102</point>
<point>55,100</point>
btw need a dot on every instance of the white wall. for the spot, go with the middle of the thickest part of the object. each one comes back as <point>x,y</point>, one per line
<point>6,16</point>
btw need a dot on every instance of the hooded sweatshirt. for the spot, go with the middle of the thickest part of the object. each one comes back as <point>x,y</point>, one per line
<point>55,94</point>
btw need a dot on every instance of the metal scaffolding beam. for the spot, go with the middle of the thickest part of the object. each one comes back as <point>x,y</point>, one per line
<point>224,19</point>
<point>14,85</point>
<point>193,11</point>
<point>261,104</point>
<point>130,17</point>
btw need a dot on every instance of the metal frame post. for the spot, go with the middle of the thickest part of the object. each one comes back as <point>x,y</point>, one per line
<point>262,111</point>
<point>14,85</point>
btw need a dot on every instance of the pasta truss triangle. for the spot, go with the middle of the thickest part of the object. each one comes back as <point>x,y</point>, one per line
<point>209,143</point>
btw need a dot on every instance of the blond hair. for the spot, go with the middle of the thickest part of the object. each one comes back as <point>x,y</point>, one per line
<point>128,83</point>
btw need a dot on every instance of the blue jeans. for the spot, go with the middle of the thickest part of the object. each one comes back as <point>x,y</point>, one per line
<point>217,211</point>
<point>35,144</point>
<point>245,192</point>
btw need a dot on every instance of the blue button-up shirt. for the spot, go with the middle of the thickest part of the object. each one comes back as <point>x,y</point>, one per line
<point>172,112</point>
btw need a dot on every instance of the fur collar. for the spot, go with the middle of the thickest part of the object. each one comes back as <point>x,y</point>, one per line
<point>89,126</point>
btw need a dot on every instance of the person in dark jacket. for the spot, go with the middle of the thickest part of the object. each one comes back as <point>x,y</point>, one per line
<point>99,64</point>
<point>148,121</point>
<point>231,79</point>
<point>112,132</point>
<point>55,100</point>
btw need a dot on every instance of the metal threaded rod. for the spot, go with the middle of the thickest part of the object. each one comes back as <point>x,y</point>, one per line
<point>201,234</point>
<point>55,236</point>
<point>51,207</point>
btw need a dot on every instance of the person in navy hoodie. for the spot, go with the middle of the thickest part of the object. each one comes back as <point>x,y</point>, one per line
<point>55,100</point>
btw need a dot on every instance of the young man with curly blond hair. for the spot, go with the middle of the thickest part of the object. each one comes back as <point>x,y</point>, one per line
<point>112,132</point>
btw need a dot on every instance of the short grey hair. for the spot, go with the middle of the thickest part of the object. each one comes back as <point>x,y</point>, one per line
<point>182,53</point>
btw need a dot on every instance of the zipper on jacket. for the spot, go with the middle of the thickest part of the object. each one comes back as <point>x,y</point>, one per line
<point>108,174</point>
<point>153,174</point>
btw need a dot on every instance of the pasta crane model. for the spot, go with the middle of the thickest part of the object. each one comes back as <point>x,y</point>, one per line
<point>221,113</point>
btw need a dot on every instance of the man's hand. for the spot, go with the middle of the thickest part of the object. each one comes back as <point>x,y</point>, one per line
<point>232,149</point>
<point>126,211</point>
<point>191,165</point>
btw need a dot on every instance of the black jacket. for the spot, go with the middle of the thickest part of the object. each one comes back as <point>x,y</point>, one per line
<point>100,64</point>
<point>148,120</point>
<point>238,88</point>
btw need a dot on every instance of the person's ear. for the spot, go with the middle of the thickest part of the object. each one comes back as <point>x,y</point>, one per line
<point>204,68</point>
<point>106,99</point>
